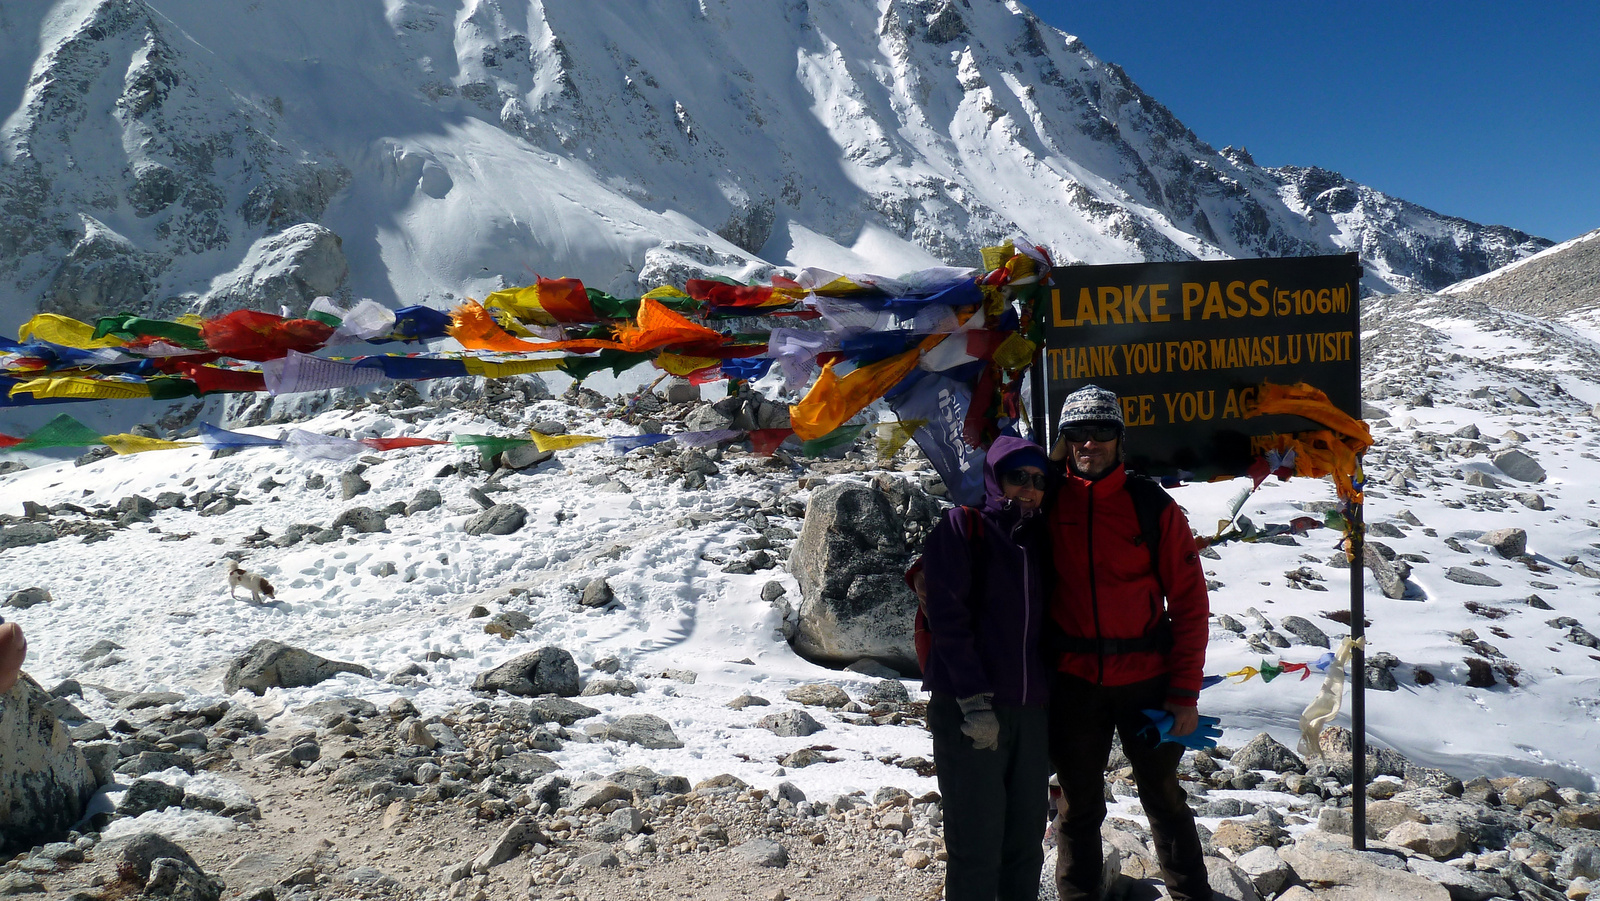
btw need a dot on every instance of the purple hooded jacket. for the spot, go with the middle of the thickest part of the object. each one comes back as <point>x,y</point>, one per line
<point>986,636</point>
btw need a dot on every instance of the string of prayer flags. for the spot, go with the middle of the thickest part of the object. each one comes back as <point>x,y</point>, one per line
<point>840,437</point>
<point>222,439</point>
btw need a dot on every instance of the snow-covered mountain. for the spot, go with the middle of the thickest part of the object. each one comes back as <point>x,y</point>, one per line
<point>169,155</point>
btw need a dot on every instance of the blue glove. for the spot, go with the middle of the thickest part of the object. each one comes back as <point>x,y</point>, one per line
<point>1202,738</point>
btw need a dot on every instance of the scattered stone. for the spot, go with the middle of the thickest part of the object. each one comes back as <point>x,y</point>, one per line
<point>790,724</point>
<point>748,700</point>
<point>521,834</point>
<point>352,484</point>
<point>549,670</point>
<point>426,499</point>
<point>597,593</point>
<point>1305,630</point>
<point>28,597</point>
<point>271,664</point>
<point>818,694</point>
<point>1470,577</point>
<point>1508,543</point>
<point>500,519</point>
<point>644,729</point>
<point>362,519</point>
<point>1518,465</point>
<point>1265,753</point>
<point>1439,841</point>
<point>145,795</point>
<point>763,852</point>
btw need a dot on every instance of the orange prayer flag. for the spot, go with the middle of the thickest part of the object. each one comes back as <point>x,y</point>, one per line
<point>660,327</point>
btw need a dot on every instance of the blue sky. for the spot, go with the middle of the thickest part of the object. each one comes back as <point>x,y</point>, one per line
<point>1487,111</point>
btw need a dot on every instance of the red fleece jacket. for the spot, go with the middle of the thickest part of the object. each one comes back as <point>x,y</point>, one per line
<point>1105,587</point>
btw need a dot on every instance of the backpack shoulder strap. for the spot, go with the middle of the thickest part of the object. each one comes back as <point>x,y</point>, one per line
<point>1150,501</point>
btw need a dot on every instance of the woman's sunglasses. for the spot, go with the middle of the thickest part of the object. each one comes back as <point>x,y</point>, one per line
<point>1082,433</point>
<point>1019,479</point>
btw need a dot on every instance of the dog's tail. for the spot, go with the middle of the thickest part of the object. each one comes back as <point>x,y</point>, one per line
<point>266,589</point>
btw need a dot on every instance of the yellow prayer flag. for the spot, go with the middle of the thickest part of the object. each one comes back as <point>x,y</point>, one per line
<point>893,435</point>
<point>64,330</point>
<point>505,368</point>
<point>79,388</point>
<point>126,443</point>
<point>665,291</point>
<point>561,442</point>
<point>995,257</point>
<point>681,365</point>
<point>1014,353</point>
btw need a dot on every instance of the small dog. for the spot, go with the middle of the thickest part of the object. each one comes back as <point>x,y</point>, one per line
<point>258,585</point>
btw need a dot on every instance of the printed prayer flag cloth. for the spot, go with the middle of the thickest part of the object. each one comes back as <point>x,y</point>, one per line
<point>222,439</point>
<point>63,431</point>
<point>765,441</point>
<point>133,328</point>
<point>297,372</point>
<point>622,445</point>
<point>125,443</point>
<point>389,444</point>
<point>547,302</point>
<point>258,336</point>
<point>419,323</point>
<point>707,438</point>
<point>840,437</point>
<point>499,369</point>
<point>893,435</point>
<point>562,442</point>
<point>832,400</point>
<point>312,446</point>
<point>63,330</point>
<point>81,388</point>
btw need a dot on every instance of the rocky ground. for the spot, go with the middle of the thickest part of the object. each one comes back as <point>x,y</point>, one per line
<point>361,802</point>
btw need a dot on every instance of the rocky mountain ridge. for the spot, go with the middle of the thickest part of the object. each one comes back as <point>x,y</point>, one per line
<point>166,156</point>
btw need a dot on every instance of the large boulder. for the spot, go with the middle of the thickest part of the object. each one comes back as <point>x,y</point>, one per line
<point>848,560</point>
<point>45,780</point>
<point>1353,876</point>
<point>272,664</point>
<point>549,670</point>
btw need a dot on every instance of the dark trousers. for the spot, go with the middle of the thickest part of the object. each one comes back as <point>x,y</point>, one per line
<point>1082,717</point>
<point>995,803</point>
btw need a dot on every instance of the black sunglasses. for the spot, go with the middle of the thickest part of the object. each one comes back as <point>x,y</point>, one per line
<point>1081,433</point>
<point>1020,479</point>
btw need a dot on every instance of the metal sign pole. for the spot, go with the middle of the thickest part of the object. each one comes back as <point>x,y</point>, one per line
<point>1358,674</point>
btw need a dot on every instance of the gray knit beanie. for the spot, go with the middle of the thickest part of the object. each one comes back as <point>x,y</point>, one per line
<point>1091,404</point>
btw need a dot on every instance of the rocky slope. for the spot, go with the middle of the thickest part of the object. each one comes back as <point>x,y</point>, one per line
<point>168,155</point>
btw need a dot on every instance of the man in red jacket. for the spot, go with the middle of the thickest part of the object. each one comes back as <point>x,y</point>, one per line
<point>1131,636</point>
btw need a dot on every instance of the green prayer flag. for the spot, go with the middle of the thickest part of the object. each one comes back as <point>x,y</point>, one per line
<point>63,431</point>
<point>131,328</point>
<point>618,361</point>
<point>839,437</point>
<point>1270,672</point>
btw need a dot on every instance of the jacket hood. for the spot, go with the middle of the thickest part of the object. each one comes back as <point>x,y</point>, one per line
<point>1003,447</point>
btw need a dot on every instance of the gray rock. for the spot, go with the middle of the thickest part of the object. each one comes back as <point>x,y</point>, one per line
<point>271,664</point>
<point>1470,577</point>
<point>45,780</point>
<point>887,691</point>
<point>818,694</point>
<point>522,833</point>
<point>501,519</point>
<point>1519,397</point>
<point>1265,753</point>
<point>352,484</point>
<point>648,783</point>
<point>1267,871</point>
<point>525,456</point>
<point>589,795</point>
<point>624,687</point>
<point>1518,465</point>
<point>1229,882</point>
<point>1385,573</point>
<point>425,499</point>
<point>1529,789</point>
<point>145,795</point>
<point>549,670</point>
<point>763,852</point>
<point>558,710</point>
<point>643,729</point>
<point>181,881</point>
<point>706,419</point>
<point>26,534</point>
<point>1305,630</point>
<point>790,724</point>
<point>597,593</point>
<point>848,560</point>
<point>1508,543</point>
<point>1580,861</point>
<point>1480,479</point>
<point>1441,841</point>
<point>1461,883</point>
<point>99,649</point>
<point>138,853</point>
<point>24,598</point>
<point>1347,875</point>
<point>363,519</point>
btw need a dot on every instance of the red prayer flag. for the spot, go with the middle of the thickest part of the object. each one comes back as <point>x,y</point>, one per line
<point>765,441</point>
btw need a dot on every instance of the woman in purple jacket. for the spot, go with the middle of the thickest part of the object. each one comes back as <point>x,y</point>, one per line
<point>985,606</point>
